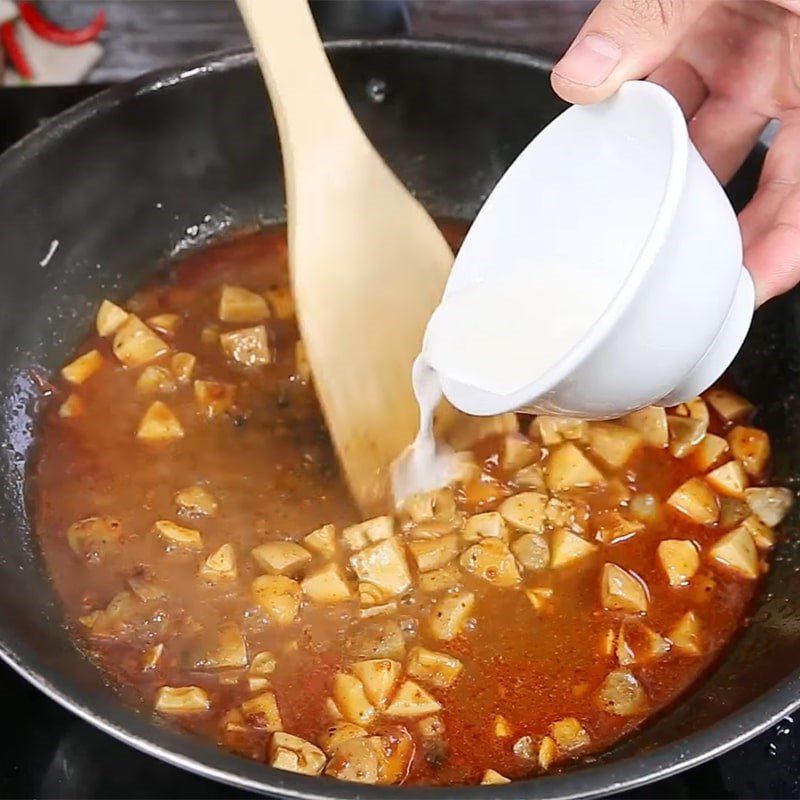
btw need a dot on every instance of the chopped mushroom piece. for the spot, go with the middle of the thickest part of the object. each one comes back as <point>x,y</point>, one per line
<point>622,695</point>
<point>651,423</point>
<point>711,450</point>
<point>438,580</point>
<point>135,344</point>
<point>358,760</point>
<point>182,700</point>
<point>622,591</point>
<point>220,566</point>
<point>247,346</point>
<point>196,501</point>
<point>489,524</point>
<point>685,434</point>
<point>695,500</point>
<point>182,365</point>
<point>770,503</point>
<point>352,700</point>
<point>729,479</point>
<point>326,585</point>
<point>567,548</point>
<point>450,614</point>
<point>357,537</point>
<point>155,380</point>
<point>554,430</point>
<point>237,304</point>
<point>491,560</point>
<point>178,536</point>
<point>751,447</point>
<point>214,398</point>
<point>737,551</point>
<point>378,676</point>
<point>95,538</point>
<point>72,407</point>
<point>167,324</point>
<point>532,551</point>
<point>281,558</point>
<point>524,511</point>
<point>109,317</point>
<point>383,566</point>
<point>547,752</point>
<point>431,554</point>
<point>638,643</point>
<point>159,424</point>
<point>613,527</point>
<point>569,735</point>
<point>411,700</point>
<point>679,559</point>
<point>686,635</point>
<point>568,468</point>
<point>438,669</point>
<point>295,754</point>
<point>763,535</point>
<point>614,444</point>
<point>728,405</point>
<point>83,367</point>
<point>322,541</point>
<point>278,596</point>
<point>492,777</point>
<point>518,452</point>
<point>262,712</point>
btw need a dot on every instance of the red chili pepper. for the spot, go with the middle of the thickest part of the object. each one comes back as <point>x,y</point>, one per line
<point>8,37</point>
<point>48,30</point>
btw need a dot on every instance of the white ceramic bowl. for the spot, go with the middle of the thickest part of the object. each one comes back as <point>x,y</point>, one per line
<point>619,189</point>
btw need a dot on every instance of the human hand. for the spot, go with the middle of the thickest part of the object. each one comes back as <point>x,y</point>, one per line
<point>733,65</point>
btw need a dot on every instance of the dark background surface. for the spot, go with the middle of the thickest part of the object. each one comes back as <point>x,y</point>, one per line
<point>49,753</point>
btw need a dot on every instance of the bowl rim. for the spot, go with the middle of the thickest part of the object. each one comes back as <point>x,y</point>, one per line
<point>140,730</point>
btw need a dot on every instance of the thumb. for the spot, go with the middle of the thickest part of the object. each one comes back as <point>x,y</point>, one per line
<point>622,40</point>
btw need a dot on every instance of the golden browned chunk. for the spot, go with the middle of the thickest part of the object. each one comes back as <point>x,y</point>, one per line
<point>651,424</point>
<point>229,653</point>
<point>177,536</point>
<point>383,566</point>
<point>338,733</point>
<point>711,450</point>
<point>685,434</point>
<point>378,676</point>
<point>567,548</point>
<point>770,503</point>
<point>196,501</point>
<point>728,405</point>
<point>182,365</point>
<point>326,585</point>
<point>637,643</point>
<point>614,444</point>
<point>155,380</point>
<point>763,535</point>
<point>695,500</point>
<point>357,537</point>
<point>83,367</point>
<point>109,317</point>
<point>518,452</point>
<point>322,541</point>
<point>423,506</point>
<point>159,425</point>
<point>737,551</point>
<point>431,554</point>
<point>525,511</point>
<point>686,634</point>
<point>489,524</point>
<point>439,580</point>
<point>411,700</point>
<point>613,527</point>
<point>358,760</point>
<point>470,430</point>
<point>547,752</point>
<point>214,398</point>
<point>281,558</point>
<point>278,596</point>
<point>531,477</point>
<point>622,591</point>
<point>167,324</point>
<point>262,712</point>
<point>539,596</point>
<point>72,407</point>
<point>502,727</point>
<point>352,700</point>
<point>569,468</point>
<point>237,304</point>
<point>220,565</point>
<point>698,409</point>
<point>491,560</point>
<point>182,700</point>
<point>95,538</point>
<point>569,735</point>
<point>554,430</point>
<point>679,559</point>
<point>295,754</point>
<point>450,614</point>
<point>730,479</point>
<point>622,695</point>
<point>492,777</point>
<point>532,551</point>
<point>135,344</point>
<point>438,669</point>
<point>263,664</point>
<point>751,447</point>
<point>247,346</point>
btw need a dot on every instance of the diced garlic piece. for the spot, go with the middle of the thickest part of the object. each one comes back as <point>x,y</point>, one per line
<point>532,551</point>
<point>490,524</point>
<point>614,444</point>
<point>679,559</point>
<point>763,535</point>
<point>525,511</point>
<point>214,398</point>
<point>237,304</point>
<point>181,700</point>
<point>539,596</point>
<point>502,727</point>
<point>547,752</point>
<point>567,548</point>
<point>247,346</point>
<point>431,554</point>
<point>302,366</point>
<point>155,380</point>
<point>135,344</point>
<point>338,733</point>
<point>322,541</point>
<point>326,585</point>
<point>622,695</point>
<point>568,468</point>
<point>72,407</point>
<point>622,591</point>
<point>159,424</point>
<point>220,565</point>
<point>518,452</point>
<point>352,700</point>
<point>695,500</point>
<point>83,367</point>
<point>278,596</point>
<point>554,430</point>
<point>651,424</point>
<point>450,614</point>
<point>770,503</point>
<point>357,760</point>
<point>384,566</point>
<point>294,754</point>
<point>178,536</point>
<point>357,537</point>
<point>638,644</point>
<point>491,560</point>
<point>468,431</point>
<point>728,405</point>
<point>612,527</point>
<point>569,735</point>
<point>166,324</point>
<point>411,700</point>
<point>262,712</point>
<point>729,479</point>
<point>709,452</point>
<point>685,434</point>
<point>378,676</point>
<point>109,317</point>
<point>737,551</point>
<point>438,669</point>
<point>95,538</point>
<point>492,777</point>
<point>686,634</point>
<point>196,501</point>
<point>281,558</point>
<point>439,580</point>
<point>182,365</point>
<point>751,446</point>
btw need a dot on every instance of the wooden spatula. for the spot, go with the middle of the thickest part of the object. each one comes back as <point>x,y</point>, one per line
<point>368,265</point>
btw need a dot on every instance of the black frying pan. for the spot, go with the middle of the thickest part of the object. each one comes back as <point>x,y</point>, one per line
<point>92,201</point>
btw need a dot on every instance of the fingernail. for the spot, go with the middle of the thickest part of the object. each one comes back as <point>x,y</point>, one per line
<point>590,61</point>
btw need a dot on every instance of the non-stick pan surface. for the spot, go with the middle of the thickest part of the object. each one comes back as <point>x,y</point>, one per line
<point>90,202</point>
